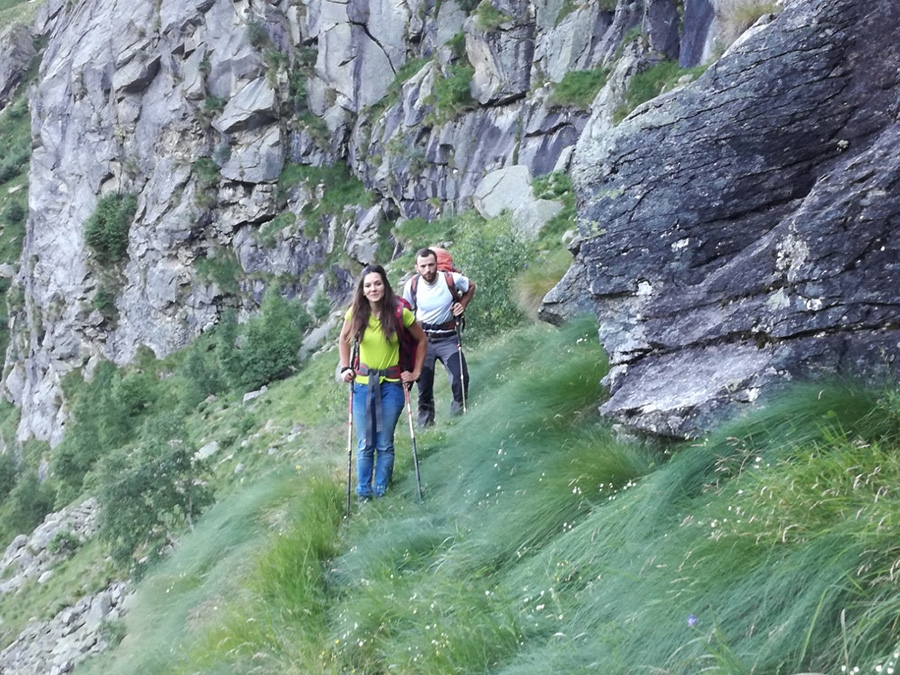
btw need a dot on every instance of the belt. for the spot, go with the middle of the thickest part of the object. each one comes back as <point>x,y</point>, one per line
<point>373,398</point>
<point>446,327</point>
<point>392,373</point>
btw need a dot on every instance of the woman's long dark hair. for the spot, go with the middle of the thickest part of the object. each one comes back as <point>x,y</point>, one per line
<point>361,309</point>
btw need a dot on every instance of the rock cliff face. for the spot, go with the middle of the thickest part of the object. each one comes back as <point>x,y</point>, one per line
<point>743,231</point>
<point>195,109</point>
<point>735,232</point>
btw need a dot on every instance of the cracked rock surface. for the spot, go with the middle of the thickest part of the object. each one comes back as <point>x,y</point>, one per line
<point>741,232</point>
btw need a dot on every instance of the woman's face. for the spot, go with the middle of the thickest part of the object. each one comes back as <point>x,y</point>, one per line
<point>373,287</point>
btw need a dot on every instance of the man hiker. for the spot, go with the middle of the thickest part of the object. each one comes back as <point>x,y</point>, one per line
<point>439,299</point>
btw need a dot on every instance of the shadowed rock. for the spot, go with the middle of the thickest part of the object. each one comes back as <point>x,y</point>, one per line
<point>742,231</point>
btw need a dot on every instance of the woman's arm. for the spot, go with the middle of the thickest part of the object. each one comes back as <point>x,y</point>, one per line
<point>344,352</point>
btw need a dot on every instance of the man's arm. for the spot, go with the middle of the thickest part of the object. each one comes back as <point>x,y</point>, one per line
<point>460,306</point>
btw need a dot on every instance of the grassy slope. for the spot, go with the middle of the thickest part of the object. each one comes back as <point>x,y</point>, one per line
<point>543,545</point>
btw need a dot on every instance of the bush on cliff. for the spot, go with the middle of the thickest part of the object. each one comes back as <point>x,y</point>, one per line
<point>106,231</point>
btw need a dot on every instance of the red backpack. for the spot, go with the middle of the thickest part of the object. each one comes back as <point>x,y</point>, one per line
<point>408,344</point>
<point>444,260</point>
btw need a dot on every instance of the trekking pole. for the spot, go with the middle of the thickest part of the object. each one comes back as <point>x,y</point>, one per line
<point>354,355</point>
<point>462,369</point>
<point>349,448</point>
<point>412,435</point>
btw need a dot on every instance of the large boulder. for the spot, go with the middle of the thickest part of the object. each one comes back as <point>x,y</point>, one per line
<point>16,52</point>
<point>501,54</point>
<point>741,232</point>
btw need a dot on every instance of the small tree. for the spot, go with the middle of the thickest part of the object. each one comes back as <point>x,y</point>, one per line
<point>269,343</point>
<point>200,374</point>
<point>150,492</point>
<point>490,255</point>
<point>14,213</point>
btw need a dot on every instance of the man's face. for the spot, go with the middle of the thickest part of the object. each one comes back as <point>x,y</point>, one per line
<point>427,267</point>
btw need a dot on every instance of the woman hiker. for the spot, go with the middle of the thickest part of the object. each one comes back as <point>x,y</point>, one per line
<point>374,319</point>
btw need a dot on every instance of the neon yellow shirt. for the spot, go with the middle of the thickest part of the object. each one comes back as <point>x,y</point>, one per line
<point>377,352</point>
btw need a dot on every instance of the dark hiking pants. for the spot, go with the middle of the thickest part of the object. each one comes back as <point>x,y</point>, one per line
<point>446,350</point>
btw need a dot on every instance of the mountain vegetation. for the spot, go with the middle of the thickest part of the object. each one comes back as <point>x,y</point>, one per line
<point>544,543</point>
<point>175,476</point>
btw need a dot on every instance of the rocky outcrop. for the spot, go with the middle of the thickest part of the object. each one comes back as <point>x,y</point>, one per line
<point>57,644</point>
<point>195,109</point>
<point>34,556</point>
<point>741,232</point>
<point>16,53</point>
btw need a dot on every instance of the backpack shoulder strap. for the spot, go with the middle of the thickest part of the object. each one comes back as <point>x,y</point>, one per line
<point>448,277</point>
<point>413,285</point>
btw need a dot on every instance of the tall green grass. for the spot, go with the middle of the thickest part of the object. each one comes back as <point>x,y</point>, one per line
<point>581,554</point>
<point>545,543</point>
<point>225,599</point>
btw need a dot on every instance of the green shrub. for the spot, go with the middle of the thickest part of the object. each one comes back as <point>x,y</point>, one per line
<point>568,6</point>
<point>107,413</point>
<point>74,457</point>
<point>207,173</point>
<point>488,17</point>
<point>106,231</point>
<point>213,104</point>
<point>256,33</point>
<point>265,235</point>
<point>451,94</point>
<point>104,301</point>
<point>8,475</point>
<point>12,234</point>
<point>149,493</point>
<point>651,83</point>
<point>340,189</point>
<point>556,186</point>
<point>14,213</point>
<point>12,166</point>
<point>221,268</point>
<point>15,138</point>
<point>321,306</point>
<point>63,543</point>
<point>113,631</point>
<point>579,88</point>
<point>297,79</point>
<point>492,257</point>
<point>200,374</point>
<point>29,501</point>
<point>266,347</point>
<point>457,44</point>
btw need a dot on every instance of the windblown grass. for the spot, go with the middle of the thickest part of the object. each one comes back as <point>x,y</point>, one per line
<point>545,544</point>
<point>602,557</point>
<point>193,588</point>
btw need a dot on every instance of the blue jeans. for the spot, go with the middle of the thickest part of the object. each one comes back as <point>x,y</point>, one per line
<point>380,455</point>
